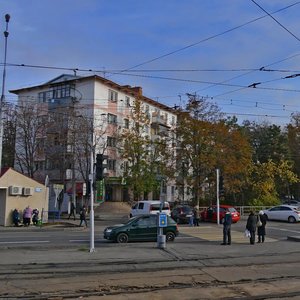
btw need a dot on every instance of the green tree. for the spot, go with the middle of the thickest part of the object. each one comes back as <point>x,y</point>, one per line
<point>147,159</point>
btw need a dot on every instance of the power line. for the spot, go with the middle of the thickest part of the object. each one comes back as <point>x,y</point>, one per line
<point>206,39</point>
<point>276,21</point>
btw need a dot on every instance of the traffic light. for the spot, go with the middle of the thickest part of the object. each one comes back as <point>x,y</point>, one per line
<point>221,186</point>
<point>99,167</point>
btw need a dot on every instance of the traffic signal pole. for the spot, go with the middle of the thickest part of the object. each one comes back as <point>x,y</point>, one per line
<point>218,197</point>
<point>92,230</point>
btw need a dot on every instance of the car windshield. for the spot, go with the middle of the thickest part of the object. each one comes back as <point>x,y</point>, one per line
<point>186,209</point>
<point>157,206</point>
<point>231,209</point>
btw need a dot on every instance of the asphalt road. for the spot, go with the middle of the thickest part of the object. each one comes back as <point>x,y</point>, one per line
<point>71,235</point>
<point>54,262</point>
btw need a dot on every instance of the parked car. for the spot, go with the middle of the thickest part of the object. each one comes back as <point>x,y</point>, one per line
<point>181,214</point>
<point>210,214</point>
<point>292,202</point>
<point>149,207</point>
<point>287,213</point>
<point>140,228</point>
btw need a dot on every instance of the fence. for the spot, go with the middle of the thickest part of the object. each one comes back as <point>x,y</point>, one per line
<point>244,210</point>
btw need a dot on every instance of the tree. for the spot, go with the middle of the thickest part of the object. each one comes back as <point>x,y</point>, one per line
<point>9,135</point>
<point>263,181</point>
<point>147,160</point>
<point>206,142</point>
<point>31,127</point>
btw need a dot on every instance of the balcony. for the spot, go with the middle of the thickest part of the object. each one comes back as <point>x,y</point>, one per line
<point>159,120</point>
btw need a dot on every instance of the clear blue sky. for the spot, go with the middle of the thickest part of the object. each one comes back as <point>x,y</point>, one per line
<point>120,34</point>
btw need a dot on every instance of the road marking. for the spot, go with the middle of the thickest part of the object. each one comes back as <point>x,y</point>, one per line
<point>282,229</point>
<point>74,241</point>
<point>25,242</point>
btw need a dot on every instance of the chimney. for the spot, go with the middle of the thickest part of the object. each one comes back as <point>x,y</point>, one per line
<point>138,90</point>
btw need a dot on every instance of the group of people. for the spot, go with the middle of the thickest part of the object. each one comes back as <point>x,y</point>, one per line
<point>194,217</point>
<point>254,223</point>
<point>29,215</point>
<point>82,214</point>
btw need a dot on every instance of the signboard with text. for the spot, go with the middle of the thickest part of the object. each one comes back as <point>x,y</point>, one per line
<point>100,191</point>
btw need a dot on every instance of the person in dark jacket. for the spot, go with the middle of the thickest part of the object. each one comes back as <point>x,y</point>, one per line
<point>261,230</point>
<point>16,217</point>
<point>72,211</point>
<point>82,214</point>
<point>227,228</point>
<point>251,226</point>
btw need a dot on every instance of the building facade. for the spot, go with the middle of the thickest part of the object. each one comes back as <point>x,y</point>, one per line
<point>86,115</point>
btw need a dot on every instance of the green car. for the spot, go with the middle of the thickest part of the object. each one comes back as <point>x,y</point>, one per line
<point>141,228</point>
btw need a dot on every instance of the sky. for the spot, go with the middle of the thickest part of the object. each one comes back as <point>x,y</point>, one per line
<point>242,55</point>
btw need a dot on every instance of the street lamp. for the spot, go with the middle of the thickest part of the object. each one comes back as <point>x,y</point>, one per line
<point>7,17</point>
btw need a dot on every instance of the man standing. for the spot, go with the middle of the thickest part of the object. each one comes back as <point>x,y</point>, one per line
<point>72,211</point>
<point>227,220</point>
<point>83,216</point>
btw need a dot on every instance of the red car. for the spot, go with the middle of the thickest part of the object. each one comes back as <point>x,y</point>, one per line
<point>210,214</point>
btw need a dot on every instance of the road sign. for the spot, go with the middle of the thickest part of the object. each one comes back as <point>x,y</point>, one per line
<point>163,220</point>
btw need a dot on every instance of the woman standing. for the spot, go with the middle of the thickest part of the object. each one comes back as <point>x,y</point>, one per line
<point>261,230</point>
<point>251,226</point>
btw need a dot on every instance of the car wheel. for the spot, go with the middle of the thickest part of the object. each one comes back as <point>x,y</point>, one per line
<point>122,238</point>
<point>291,219</point>
<point>170,236</point>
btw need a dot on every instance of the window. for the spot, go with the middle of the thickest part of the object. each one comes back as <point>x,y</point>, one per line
<point>111,141</point>
<point>126,123</point>
<point>111,119</point>
<point>62,91</point>
<point>111,164</point>
<point>112,96</point>
<point>127,101</point>
<point>173,120</point>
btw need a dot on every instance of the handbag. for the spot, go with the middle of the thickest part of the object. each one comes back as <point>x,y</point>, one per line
<point>259,223</point>
<point>247,233</point>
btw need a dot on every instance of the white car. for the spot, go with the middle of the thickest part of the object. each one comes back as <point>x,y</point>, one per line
<point>287,213</point>
<point>146,207</point>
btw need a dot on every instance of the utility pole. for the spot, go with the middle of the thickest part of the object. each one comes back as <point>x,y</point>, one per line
<point>7,17</point>
<point>92,234</point>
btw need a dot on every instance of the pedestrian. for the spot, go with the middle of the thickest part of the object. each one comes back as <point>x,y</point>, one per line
<point>72,211</point>
<point>251,226</point>
<point>35,216</point>
<point>191,218</point>
<point>196,216</point>
<point>16,217</point>
<point>261,230</point>
<point>82,214</point>
<point>27,214</point>
<point>227,221</point>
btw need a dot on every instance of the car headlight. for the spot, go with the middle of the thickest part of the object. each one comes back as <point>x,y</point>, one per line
<point>108,230</point>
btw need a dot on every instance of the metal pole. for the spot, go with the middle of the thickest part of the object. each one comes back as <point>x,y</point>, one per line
<point>92,239</point>
<point>218,199</point>
<point>7,17</point>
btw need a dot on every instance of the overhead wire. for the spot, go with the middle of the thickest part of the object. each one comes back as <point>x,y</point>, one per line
<point>270,15</point>
<point>206,39</point>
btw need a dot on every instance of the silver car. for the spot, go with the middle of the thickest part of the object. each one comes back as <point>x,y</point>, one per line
<point>287,213</point>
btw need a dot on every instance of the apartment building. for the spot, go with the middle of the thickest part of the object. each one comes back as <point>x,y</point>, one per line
<point>106,107</point>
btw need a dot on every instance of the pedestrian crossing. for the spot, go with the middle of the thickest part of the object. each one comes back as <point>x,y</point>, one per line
<point>215,233</point>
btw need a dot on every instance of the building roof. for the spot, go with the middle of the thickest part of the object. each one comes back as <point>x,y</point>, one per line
<point>127,89</point>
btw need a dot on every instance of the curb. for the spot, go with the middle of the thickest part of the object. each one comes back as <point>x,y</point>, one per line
<point>294,238</point>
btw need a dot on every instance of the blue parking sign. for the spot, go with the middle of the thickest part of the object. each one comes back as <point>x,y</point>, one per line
<point>163,220</point>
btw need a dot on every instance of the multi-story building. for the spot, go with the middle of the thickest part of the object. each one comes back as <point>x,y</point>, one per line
<point>95,109</point>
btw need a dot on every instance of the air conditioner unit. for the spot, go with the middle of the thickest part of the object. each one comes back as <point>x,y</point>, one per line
<point>15,190</point>
<point>27,191</point>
